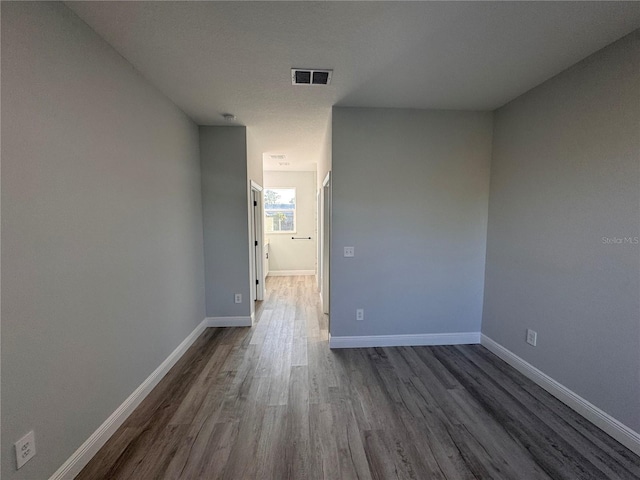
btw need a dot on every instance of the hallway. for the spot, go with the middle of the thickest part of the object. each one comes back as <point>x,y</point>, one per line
<point>273,402</point>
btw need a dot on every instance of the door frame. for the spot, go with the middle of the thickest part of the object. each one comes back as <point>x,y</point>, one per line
<point>325,239</point>
<point>319,242</point>
<point>256,246</point>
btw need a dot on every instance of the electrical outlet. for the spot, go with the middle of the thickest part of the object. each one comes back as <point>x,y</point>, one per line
<point>237,298</point>
<point>349,251</point>
<point>25,449</point>
<point>532,337</point>
<point>360,314</point>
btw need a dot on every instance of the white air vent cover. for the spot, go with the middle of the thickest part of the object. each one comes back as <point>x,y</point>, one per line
<point>310,76</point>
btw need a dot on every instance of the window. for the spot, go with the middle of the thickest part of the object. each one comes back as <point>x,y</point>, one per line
<point>280,210</point>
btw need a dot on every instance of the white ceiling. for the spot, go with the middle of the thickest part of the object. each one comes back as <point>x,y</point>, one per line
<point>211,58</point>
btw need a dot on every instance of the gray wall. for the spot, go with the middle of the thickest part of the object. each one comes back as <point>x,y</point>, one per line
<point>102,255</point>
<point>223,152</point>
<point>410,193</point>
<point>285,253</point>
<point>565,174</point>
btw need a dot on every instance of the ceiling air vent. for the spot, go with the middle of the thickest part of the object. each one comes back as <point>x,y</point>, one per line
<point>307,76</point>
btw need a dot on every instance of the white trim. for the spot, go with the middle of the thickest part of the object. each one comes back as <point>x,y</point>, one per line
<point>290,273</point>
<point>76,462</point>
<point>462,338</point>
<point>319,243</point>
<point>229,321</point>
<point>327,179</point>
<point>623,434</point>
<point>256,243</point>
<point>325,250</point>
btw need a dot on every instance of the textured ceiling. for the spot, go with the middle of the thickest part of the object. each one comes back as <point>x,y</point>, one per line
<point>212,58</point>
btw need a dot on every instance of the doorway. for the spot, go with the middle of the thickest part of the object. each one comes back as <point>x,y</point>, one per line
<point>290,225</point>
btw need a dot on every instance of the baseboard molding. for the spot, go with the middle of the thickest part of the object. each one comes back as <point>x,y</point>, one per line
<point>290,273</point>
<point>404,340</point>
<point>90,447</point>
<point>623,434</point>
<point>229,321</point>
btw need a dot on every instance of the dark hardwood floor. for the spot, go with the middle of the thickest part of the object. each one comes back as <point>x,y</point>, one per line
<point>273,402</point>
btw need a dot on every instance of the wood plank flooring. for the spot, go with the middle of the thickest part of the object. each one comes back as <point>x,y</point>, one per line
<point>273,402</point>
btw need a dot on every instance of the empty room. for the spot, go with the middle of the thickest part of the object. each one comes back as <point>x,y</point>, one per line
<point>320,240</point>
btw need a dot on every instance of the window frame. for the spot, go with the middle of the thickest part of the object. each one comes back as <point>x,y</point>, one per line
<point>295,211</point>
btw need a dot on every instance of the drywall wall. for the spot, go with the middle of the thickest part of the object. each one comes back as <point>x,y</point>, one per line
<point>254,159</point>
<point>324,160</point>
<point>223,152</point>
<point>410,193</point>
<point>565,183</point>
<point>102,263</point>
<point>284,253</point>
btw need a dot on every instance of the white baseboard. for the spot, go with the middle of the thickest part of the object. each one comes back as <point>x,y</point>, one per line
<point>90,447</point>
<point>290,273</point>
<point>462,338</point>
<point>229,321</point>
<point>623,434</point>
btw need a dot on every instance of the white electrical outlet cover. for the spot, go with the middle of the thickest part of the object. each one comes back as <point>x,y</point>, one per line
<point>25,449</point>
<point>532,337</point>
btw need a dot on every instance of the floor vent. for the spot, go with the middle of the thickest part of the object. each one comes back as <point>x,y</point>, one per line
<point>306,76</point>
